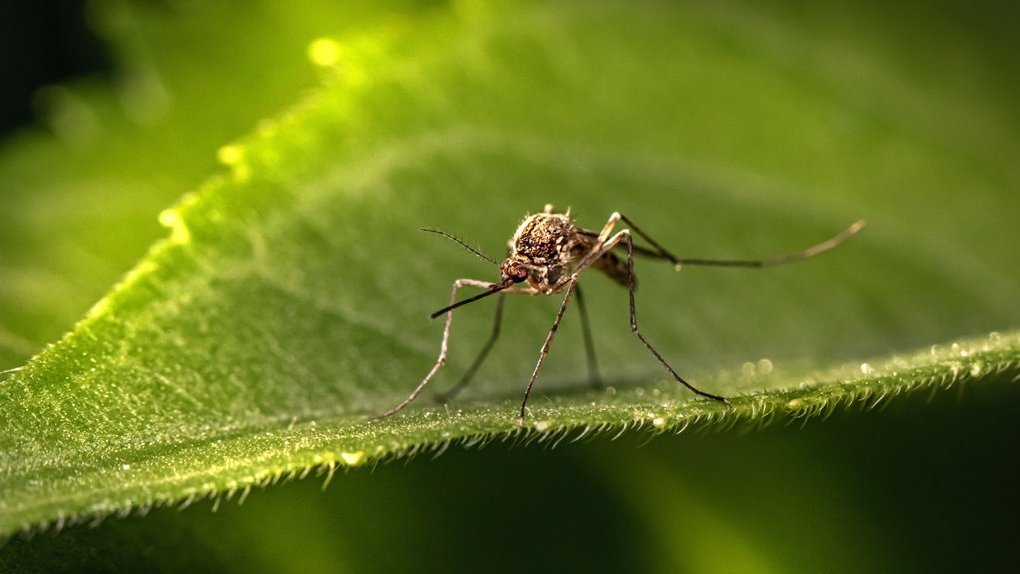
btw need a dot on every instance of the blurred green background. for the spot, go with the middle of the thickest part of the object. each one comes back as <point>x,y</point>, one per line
<point>920,485</point>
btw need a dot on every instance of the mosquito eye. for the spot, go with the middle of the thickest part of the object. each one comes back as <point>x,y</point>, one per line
<point>518,273</point>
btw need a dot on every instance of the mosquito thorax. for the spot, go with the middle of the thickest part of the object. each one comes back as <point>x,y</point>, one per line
<point>544,239</point>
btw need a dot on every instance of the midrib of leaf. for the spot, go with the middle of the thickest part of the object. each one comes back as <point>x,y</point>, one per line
<point>247,347</point>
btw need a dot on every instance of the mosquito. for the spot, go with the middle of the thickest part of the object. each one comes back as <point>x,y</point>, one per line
<point>547,255</point>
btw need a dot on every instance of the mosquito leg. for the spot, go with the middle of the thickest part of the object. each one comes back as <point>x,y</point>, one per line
<point>634,325</point>
<point>608,228</point>
<point>661,251</point>
<point>464,380</point>
<point>442,348</point>
<point>589,343</point>
<point>571,286</point>
<point>822,247</point>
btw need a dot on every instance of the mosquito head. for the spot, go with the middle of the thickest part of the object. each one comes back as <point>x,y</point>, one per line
<point>513,271</point>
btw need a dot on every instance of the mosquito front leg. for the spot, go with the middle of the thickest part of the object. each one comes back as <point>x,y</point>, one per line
<point>571,285</point>
<point>470,373</point>
<point>442,348</point>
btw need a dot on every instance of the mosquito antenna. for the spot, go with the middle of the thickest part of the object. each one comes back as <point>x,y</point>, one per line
<point>462,243</point>
<point>496,288</point>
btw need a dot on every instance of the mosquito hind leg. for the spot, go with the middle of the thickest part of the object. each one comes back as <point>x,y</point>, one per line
<point>661,252</point>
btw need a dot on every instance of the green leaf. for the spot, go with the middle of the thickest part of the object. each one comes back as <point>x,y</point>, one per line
<point>290,299</point>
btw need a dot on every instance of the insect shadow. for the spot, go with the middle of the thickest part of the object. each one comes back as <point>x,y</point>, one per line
<point>547,255</point>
